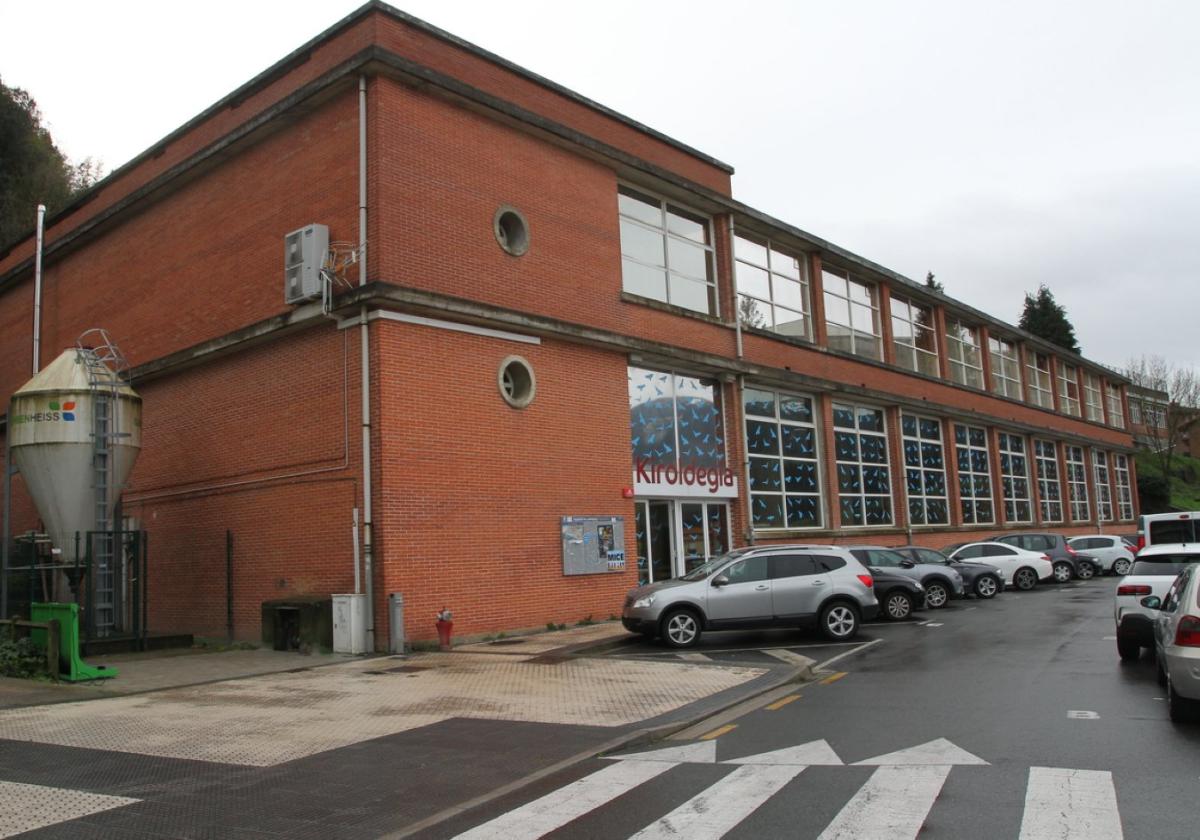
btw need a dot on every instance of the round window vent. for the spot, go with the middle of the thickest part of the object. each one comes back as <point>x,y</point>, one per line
<point>512,231</point>
<point>516,382</point>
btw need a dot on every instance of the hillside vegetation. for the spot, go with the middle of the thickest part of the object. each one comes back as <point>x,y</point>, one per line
<point>1185,484</point>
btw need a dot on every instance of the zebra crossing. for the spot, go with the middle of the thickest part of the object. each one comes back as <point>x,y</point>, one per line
<point>892,804</point>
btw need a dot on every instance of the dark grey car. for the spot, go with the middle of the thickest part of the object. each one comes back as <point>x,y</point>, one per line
<point>979,579</point>
<point>1068,563</point>
<point>940,581</point>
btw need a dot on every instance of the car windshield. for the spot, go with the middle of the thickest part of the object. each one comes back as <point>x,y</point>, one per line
<point>703,571</point>
<point>1163,564</point>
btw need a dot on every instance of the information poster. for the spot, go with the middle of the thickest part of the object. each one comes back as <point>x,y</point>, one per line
<point>593,545</point>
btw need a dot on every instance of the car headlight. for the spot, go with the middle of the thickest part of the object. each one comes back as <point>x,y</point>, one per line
<point>642,603</point>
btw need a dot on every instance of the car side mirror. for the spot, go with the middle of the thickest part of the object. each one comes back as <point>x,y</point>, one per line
<point>1151,602</point>
<point>720,580</point>
<point>907,564</point>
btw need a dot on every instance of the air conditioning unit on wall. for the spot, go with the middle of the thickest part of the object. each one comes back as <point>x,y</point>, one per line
<point>304,253</point>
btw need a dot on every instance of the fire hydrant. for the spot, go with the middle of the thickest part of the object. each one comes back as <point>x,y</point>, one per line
<point>445,626</point>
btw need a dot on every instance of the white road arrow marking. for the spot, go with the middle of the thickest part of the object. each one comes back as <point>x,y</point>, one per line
<point>559,807</point>
<point>805,755</point>
<point>1063,804</point>
<point>937,752</point>
<point>892,805</point>
<point>710,814</point>
<point>702,752</point>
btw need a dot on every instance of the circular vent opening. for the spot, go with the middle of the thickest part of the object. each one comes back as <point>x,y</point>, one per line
<point>512,231</point>
<point>516,381</point>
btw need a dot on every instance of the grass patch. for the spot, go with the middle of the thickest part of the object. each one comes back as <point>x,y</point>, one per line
<point>1185,478</point>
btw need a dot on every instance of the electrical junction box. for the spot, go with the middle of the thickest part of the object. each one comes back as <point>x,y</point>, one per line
<point>304,253</point>
<point>349,623</point>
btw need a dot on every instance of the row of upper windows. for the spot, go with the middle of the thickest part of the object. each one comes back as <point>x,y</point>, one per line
<point>668,255</point>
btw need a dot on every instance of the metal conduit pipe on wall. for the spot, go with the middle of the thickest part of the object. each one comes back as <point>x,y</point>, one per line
<point>364,333</point>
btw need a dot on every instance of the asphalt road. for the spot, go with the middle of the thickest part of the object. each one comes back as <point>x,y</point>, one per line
<point>1026,722</point>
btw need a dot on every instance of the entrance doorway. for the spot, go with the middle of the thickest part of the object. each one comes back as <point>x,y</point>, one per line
<point>675,536</point>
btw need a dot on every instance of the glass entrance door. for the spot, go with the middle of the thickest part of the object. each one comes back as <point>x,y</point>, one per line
<point>700,529</point>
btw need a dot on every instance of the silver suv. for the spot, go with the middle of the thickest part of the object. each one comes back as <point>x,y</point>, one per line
<point>758,586</point>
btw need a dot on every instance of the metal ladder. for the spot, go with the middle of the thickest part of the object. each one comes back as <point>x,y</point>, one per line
<point>104,365</point>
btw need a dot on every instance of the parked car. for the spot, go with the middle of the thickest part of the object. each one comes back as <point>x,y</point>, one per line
<point>1067,562</point>
<point>979,579</point>
<point>1156,528</point>
<point>1153,572</point>
<point>940,581</point>
<point>898,595</point>
<point>1020,568</point>
<point>757,586</point>
<point>1177,643</point>
<point>1111,552</point>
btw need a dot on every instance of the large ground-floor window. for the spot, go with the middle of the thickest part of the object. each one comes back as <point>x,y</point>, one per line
<point>1077,490</point>
<point>675,536</point>
<point>924,470</point>
<point>974,475</point>
<point>784,460</point>
<point>864,482</point>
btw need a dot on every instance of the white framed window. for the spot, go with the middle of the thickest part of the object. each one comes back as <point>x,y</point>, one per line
<point>1116,415</point>
<point>1068,389</point>
<point>782,446</point>
<point>861,454</point>
<point>1014,478</point>
<point>1104,508</point>
<point>1091,397</point>
<point>974,475</point>
<point>666,252</point>
<point>851,314</point>
<point>914,340</point>
<point>962,349</point>
<point>772,284</point>
<point>1077,491</point>
<point>1037,376</point>
<point>924,470</point>
<point>1124,491</point>
<point>1006,367</point>
<point>1049,483</point>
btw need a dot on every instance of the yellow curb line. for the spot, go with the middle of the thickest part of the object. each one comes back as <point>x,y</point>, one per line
<point>779,704</point>
<point>717,733</point>
<point>834,678</point>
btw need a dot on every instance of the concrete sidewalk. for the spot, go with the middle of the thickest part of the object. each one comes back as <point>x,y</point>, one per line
<point>433,719</point>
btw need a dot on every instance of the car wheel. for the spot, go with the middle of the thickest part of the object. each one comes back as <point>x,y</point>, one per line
<point>1086,570</point>
<point>1128,650</point>
<point>898,605</point>
<point>1122,567</point>
<point>986,586</point>
<point>1160,674</point>
<point>1025,578</point>
<point>1062,572</point>
<point>839,621</point>
<point>681,628</point>
<point>936,595</point>
<point>1181,709</point>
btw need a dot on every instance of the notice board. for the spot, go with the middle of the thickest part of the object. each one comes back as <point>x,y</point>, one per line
<point>593,545</point>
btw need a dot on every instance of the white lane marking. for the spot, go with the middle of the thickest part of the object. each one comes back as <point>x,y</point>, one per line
<point>823,665</point>
<point>785,655</point>
<point>807,755</point>
<point>716,810</point>
<point>1063,804</point>
<point>937,752</point>
<point>559,807</point>
<point>932,624</point>
<point>703,752</point>
<point>1110,638</point>
<point>892,805</point>
<point>27,807</point>
<point>1081,714</point>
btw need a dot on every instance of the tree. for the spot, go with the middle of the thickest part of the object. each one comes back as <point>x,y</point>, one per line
<point>933,285</point>
<point>1047,319</point>
<point>32,169</point>
<point>1182,389</point>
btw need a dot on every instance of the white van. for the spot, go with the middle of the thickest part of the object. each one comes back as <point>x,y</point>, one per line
<point>1156,528</point>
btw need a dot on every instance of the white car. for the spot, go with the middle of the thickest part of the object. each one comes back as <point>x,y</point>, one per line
<point>1177,645</point>
<point>1112,553</point>
<point>1153,572</point>
<point>1021,568</point>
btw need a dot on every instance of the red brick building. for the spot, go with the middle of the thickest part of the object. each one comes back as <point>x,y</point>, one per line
<point>566,314</point>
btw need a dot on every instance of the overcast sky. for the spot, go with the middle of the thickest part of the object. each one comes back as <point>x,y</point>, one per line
<point>999,145</point>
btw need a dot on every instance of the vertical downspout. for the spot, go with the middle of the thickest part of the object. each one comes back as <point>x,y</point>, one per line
<point>364,333</point>
<point>37,291</point>
<point>737,314</point>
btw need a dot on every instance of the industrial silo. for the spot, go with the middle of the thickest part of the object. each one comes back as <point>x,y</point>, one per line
<point>75,431</point>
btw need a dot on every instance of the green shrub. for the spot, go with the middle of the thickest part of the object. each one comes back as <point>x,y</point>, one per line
<point>20,657</point>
